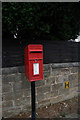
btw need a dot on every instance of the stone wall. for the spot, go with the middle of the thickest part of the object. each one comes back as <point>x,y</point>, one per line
<point>16,89</point>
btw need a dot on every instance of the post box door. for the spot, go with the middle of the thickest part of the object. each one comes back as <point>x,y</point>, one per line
<point>36,70</point>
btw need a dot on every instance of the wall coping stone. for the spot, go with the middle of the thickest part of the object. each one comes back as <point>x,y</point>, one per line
<point>21,69</point>
<point>63,65</point>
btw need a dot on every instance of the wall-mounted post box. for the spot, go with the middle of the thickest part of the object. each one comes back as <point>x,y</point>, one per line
<point>34,62</point>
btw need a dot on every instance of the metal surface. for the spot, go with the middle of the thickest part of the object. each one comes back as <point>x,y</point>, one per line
<point>34,62</point>
<point>33,100</point>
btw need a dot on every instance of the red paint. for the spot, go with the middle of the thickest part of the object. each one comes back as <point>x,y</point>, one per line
<point>33,53</point>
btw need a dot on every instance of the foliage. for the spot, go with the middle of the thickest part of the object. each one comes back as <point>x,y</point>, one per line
<point>42,20</point>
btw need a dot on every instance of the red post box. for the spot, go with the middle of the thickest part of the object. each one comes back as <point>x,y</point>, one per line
<point>34,62</point>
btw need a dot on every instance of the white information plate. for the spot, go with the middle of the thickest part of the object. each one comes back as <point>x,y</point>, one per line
<point>36,68</point>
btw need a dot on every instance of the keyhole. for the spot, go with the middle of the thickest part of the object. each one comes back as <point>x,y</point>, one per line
<point>36,60</point>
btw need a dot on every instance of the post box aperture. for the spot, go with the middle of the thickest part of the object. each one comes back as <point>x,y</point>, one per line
<point>34,62</point>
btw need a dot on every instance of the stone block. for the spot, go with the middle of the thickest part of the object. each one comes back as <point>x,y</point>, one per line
<point>17,86</point>
<point>65,65</point>
<point>0,71</point>
<point>11,78</point>
<point>70,95</point>
<point>10,113</point>
<point>7,88</point>
<point>56,72</point>
<point>78,78</point>
<point>23,77</point>
<point>60,65</point>
<point>43,89</point>
<point>65,71</point>
<point>0,78</point>
<point>21,69</point>
<point>74,89</point>
<point>63,90</point>
<point>39,83</point>
<point>0,101</point>
<point>7,104</point>
<point>56,86</point>
<point>47,95</point>
<point>22,93</point>
<point>22,101</point>
<point>0,88</point>
<point>25,83</point>
<point>74,83</point>
<point>74,69</point>
<point>46,74</point>
<point>4,79</point>
<point>73,77</point>
<point>60,79</point>
<point>56,99</point>
<point>65,78</point>
<point>40,97</point>
<point>18,94</point>
<point>26,108</point>
<point>26,92</point>
<point>54,93</point>
<point>78,87</point>
<point>17,77</point>
<point>21,85</point>
<point>50,80</point>
<point>55,89</point>
<point>46,67</point>
<point>10,70</point>
<point>43,103</point>
<point>0,113</point>
<point>8,96</point>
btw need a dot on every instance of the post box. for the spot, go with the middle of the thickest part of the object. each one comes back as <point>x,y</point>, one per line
<point>34,62</point>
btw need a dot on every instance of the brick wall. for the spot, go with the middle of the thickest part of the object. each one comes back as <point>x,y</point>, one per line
<point>16,88</point>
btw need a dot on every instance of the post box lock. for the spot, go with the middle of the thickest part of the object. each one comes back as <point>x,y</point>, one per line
<point>34,62</point>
